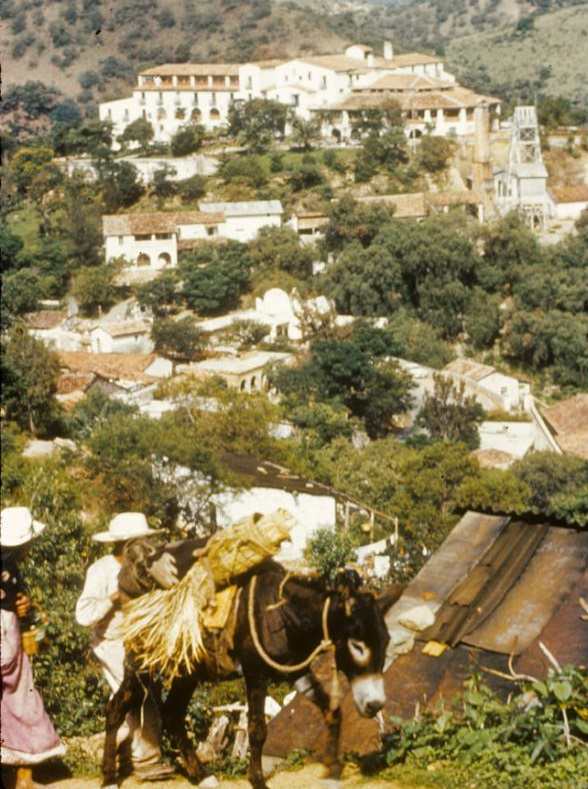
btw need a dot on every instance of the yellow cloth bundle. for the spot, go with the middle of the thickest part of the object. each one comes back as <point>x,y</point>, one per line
<point>245,544</point>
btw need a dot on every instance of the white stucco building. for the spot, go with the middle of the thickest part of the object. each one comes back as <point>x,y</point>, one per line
<point>568,202</point>
<point>124,337</point>
<point>151,241</point>
<point>172,95</point>
<point>247,372</point>
<point>493,390</point>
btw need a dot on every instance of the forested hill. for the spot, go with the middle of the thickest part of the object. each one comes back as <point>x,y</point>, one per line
<point>91,49</point>
<point>86,48</point>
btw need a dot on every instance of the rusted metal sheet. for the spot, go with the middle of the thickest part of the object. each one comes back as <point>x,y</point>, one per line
<point>488,583</point>
<point>554,569</point>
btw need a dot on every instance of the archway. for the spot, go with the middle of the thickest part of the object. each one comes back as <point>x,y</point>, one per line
<point>143,260</point>
<point>196,114</point>
<point>253,384</point>
<point>336,135</point>
<point>214,115</point>
<point>164,259</point>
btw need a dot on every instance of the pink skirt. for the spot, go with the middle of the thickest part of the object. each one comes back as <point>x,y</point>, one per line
<point>27,735</point>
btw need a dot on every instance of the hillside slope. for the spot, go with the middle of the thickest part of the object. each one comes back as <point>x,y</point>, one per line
<point>551,58</point>
<point>60,41</point>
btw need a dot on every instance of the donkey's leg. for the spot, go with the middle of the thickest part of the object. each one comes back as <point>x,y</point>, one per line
<point>256,693</point>
<point>173,718</point>
<point>126,697</point>
<point>332,718</point>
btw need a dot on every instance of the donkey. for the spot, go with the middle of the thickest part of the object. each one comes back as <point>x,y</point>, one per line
<point>282,621</point>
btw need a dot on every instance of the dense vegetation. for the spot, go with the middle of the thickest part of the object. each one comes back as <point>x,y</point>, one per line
<point>440,287</point>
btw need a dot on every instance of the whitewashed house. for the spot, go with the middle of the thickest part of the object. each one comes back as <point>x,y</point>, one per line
<point>247,372</point>
<point>151,241</point>
<point>243,221</point>
<point>568,202</point>
<point>174,94</point>
<point>493,390</point>
<point>124,337</point>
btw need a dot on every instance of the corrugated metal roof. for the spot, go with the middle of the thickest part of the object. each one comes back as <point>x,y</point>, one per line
<point>486,586</point>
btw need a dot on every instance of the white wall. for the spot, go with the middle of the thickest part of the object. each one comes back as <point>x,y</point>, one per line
<point>130,248</point>
<point>569,210</point>
<point>311,513</point>
<point>102,342</point>
<point>245,228</point>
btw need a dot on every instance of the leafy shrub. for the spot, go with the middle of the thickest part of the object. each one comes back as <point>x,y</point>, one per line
<point>187,140</point>
<point>192,188</point>
<point>538,738</point>
<point>329,551</point>
<point>88,79</point>
<point>248,169</point>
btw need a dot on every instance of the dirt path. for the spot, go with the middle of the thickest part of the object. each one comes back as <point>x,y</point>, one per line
<point>308,777</point>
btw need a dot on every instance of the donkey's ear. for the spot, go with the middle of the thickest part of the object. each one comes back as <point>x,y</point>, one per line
<point>347,581</point>
<point>387,599</point>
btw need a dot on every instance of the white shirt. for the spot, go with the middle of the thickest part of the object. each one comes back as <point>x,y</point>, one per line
<point>94,608</point>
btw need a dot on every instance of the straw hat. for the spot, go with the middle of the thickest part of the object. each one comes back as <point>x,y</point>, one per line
<point>126,526</point>
<point>17,527</point>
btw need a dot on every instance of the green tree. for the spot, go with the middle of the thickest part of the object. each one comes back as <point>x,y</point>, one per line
<point>11,246</point>
<point>257,123</point>
<point>451,415</point>
<point>214,277</point>
<point>120,184</point>
<point>95,288</point>
<point>280,247</point>
<point>29,381</point>
<point>96,408</point>
<point>353,221</point>
<point>162,185</point>
<point>557,484</point>
<point>328,552</point>
<point>21,291</point>
<point>187,140</point>
<point>82,230</point>
<point>435,153</point>
<point>508,246</point>
<point>482,319</point>
<point>161,294</point>
<point>247,333</point>
<point>340,372</point>
<point>139,132</point>
<point>305,132</point>
<point>179,340</point>
<point>193,188</point>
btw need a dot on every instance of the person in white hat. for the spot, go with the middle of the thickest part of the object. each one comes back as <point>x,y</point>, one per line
<point>99,608</point>
<point>27,735</point>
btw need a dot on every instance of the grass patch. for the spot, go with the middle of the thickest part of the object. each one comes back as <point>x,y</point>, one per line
<point>25,224</point>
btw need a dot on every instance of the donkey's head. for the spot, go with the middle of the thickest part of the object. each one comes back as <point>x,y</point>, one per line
<point>361,639</point>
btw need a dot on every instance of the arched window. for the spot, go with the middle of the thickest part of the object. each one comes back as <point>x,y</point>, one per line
<point>214,114</point>
<point>164,259</point>
<point>196,114</point>
<point>243,384</point>
<point>143,260</point>
<point>336,135</point>
<point>253,384</point>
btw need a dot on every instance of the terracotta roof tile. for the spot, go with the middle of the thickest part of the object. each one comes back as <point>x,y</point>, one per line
<point>569,422</point>
<point>112,366</point>
<point>155,222</point>
<point>570,194</point>
<point>195,69</point>
<point>407,206</point>
<point>74,382</point>
<point>44,319</point>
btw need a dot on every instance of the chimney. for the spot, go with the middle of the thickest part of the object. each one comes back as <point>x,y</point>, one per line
<point>388,50</point>
<point>370,60</point>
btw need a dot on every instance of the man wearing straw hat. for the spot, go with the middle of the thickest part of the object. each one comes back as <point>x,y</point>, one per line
<point>99,608</point>
<point>27,736</point>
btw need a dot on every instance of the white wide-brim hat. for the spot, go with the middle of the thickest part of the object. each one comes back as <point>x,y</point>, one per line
<point>17,527</point>
<point>126,526</point>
